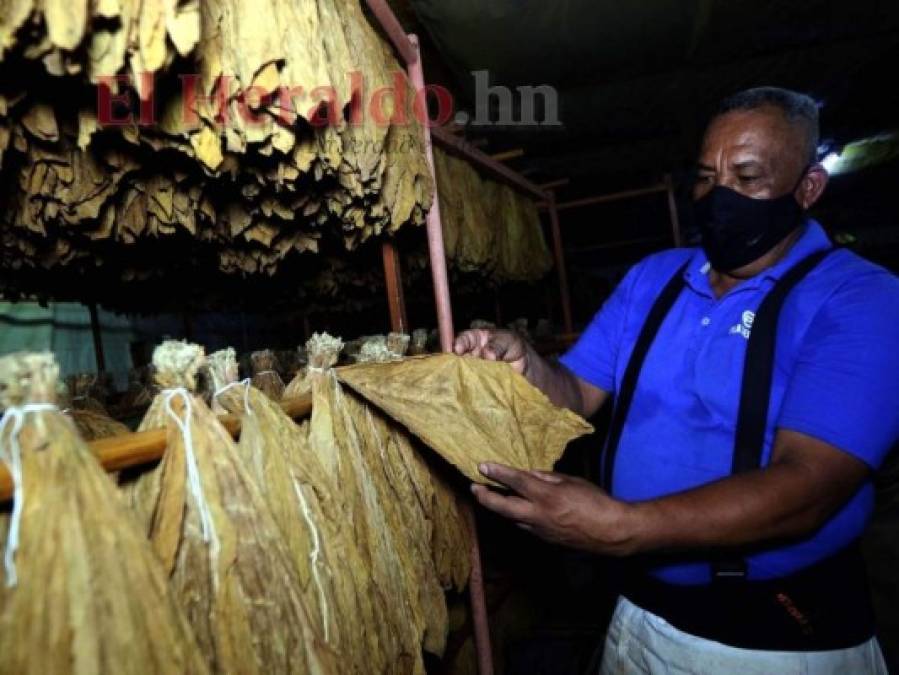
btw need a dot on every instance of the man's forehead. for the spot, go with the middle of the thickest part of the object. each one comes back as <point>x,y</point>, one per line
<point>757,131</point>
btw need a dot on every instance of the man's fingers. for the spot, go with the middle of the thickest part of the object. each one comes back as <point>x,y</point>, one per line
<point>520,481</point>
<point>548,477</point>
<point>471,342</point>
<point>512,507</point>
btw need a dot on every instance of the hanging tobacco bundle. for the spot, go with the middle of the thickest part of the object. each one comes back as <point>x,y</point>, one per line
<point>140,389</point>
<point>90,424</point>
<point>217,538</point>
<point>322,352</point>
<point>85,593</point>
<point>392,637</point>
<point>301,495</point>
<point>254,181</point>
<point>405,490</point>
<point>419,342</point>
<point>83,393</point>
<point>265,374</point>
<point>469,410</point>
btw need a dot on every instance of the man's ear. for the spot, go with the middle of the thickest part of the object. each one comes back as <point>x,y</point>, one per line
<point>812,186</point>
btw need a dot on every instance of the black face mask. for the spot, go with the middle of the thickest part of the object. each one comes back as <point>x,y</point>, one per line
<point>737,230</point>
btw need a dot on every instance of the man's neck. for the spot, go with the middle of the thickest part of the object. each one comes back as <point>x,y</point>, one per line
<point>722,282</point>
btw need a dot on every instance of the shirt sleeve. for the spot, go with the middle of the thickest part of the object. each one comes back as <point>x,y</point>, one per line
<point>594,356</point>
<point>845,390</point>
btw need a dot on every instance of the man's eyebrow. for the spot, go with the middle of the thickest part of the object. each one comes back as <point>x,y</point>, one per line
<point>705,167</point>
<point>747,164</point>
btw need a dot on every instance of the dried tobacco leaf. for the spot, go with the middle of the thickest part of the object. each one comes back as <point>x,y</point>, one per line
<point>469,410</point>
<point>217,537</point>
<point>92,425</point>
<point>265,374</point>
<point>90,597</point>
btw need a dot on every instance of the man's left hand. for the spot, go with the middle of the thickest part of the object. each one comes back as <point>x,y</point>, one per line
<point>561,509</point>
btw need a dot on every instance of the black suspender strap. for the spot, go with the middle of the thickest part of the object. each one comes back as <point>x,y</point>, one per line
<point>755,393</point>
<point>657,314</point>
<point>758,367</point>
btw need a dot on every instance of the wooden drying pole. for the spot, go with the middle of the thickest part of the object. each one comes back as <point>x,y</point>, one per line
<point>393,277</point>
<point>143,447</point>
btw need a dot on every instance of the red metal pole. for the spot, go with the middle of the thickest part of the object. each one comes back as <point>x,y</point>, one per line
<point>435,226</point>
<point>476,594</point>
<point>393,277</point>
<point>394,30</point>
<point>559,253</point>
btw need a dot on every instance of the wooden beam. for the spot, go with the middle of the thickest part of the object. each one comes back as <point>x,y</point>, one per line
<point>507,155</point>
<point>393,277</point>
<point>562,182</point>
<point>144,447</point>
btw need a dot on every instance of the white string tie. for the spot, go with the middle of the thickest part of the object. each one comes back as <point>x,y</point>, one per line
<point>12,457</point>
<point>193,472</point>
<point>246,392</point>
<point>314,556</point>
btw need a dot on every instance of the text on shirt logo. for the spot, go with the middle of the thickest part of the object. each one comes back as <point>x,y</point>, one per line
<point>745,327</point>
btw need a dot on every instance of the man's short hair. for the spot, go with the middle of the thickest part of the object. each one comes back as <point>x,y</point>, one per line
<point>799,109</point>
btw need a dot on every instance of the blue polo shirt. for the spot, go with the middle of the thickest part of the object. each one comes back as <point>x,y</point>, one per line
<point>836,378</point>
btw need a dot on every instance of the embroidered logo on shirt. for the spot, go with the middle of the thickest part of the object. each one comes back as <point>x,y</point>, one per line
<point>745,327</point>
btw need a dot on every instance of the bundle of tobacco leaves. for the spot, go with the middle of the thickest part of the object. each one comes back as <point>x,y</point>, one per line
<point>419,343</point>
<point>83,393</point>
<point>140,390</point>
<point>91,424</point>
<point>300,494</point>
<point>387,641</point>
<point>243,143</point>
<point>469,410</point>
<point>85,593</point>
<point>488,227</point>
<point>218,539</point>
<point>265,374</point>
<point>322,353</point>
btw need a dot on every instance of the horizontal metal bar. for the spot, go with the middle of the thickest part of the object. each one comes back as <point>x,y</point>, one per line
<point>461,147</point>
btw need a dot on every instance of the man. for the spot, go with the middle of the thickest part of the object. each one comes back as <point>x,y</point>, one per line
<point>740,490</point>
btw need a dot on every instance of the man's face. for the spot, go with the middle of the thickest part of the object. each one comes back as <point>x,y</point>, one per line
<point>758,153</point>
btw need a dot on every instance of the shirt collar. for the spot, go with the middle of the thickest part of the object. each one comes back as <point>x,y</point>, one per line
<point>812,240</point>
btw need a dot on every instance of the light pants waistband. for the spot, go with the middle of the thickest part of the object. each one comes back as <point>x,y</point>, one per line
<point>641,642</point>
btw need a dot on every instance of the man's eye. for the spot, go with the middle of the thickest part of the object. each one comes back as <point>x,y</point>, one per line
<point>749,179</point>
<point>704,179</point>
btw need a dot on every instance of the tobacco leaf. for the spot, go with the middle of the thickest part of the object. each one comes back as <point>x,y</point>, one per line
<point>469,410</point>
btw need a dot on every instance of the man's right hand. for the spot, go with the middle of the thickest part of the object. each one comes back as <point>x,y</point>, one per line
<point>561,385</point>
<point>495,345</point>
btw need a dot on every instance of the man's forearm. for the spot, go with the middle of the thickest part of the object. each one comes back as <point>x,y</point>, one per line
<point>765,505</point>
<point>555,381</point>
